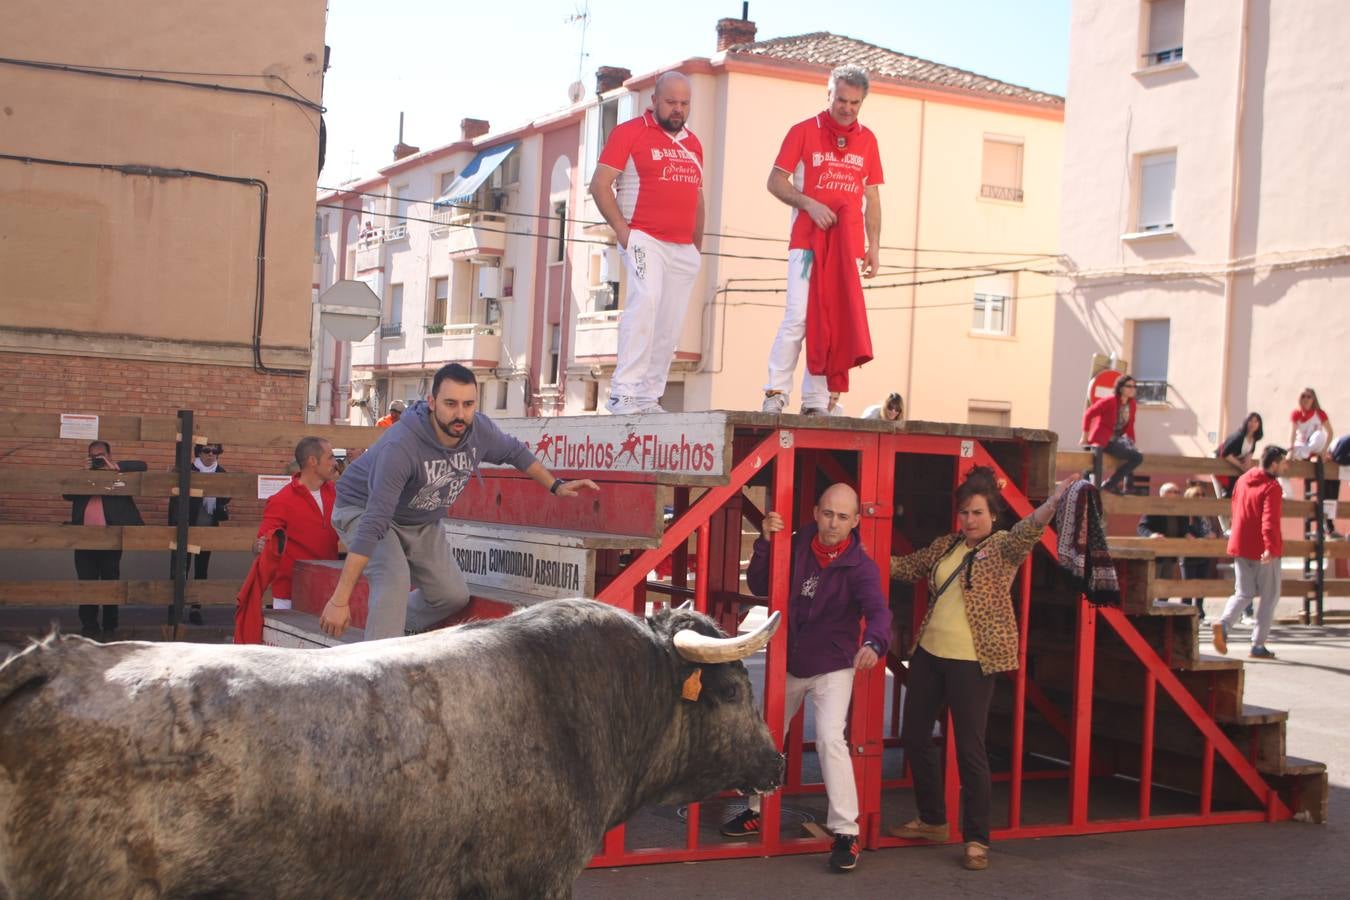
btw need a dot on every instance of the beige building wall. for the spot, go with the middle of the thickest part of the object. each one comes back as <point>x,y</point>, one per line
<point>162,267</point>
<point>1252,276</point>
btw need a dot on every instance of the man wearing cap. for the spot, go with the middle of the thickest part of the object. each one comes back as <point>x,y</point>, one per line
<point>395,412</point>
<point>657,217</point>
<point>392,500</point>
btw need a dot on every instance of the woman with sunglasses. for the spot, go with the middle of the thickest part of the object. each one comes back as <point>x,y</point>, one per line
<point>207,512</point>
<point>1108,424</point>
<point>1310,435</point>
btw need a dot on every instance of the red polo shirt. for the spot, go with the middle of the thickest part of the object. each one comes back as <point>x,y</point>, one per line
<point>660,176</point>
<point>825,171</point>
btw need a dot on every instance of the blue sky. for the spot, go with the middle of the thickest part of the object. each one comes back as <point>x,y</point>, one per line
<point>512,61</point>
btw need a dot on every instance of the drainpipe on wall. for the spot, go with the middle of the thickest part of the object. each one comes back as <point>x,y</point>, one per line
<point>1234,211</point>
<point>914,262</point>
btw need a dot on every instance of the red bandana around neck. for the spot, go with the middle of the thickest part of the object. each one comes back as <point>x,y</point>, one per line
<point>834,135</point>
<point>826,555</point>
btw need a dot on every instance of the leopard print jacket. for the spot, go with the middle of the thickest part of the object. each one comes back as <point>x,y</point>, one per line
<point>989,608</point>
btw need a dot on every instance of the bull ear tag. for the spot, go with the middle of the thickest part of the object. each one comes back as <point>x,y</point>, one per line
<point>693,686</point>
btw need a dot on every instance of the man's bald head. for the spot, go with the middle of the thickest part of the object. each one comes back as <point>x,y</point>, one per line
<point>836,514</point>
<point>670,100</point>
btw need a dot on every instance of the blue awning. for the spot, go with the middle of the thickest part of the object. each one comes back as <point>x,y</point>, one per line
<point>475,175</point>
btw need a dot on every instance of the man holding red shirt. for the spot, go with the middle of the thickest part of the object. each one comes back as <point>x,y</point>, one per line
<point>1256,547</point>
<point>829,160</point>
<point>303,509</point>
<point>657,217</point>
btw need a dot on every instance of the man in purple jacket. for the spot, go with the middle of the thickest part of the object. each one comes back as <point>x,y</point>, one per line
<point>834,583</point>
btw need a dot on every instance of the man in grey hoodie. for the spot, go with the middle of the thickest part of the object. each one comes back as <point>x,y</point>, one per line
<point>391,501</point>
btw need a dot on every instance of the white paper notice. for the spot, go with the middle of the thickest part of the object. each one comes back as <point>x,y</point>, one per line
<point>75,425</point>
<point>270,484</point>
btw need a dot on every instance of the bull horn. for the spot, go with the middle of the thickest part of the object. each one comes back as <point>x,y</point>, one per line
<point>700,648</point>
<point>688,604</point>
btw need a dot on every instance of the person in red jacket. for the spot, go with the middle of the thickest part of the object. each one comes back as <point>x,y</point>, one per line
<point>1109,424</point>
<point>303,510</point>
<point>1256,547</point>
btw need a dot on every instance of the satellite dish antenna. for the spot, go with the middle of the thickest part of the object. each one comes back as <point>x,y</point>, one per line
<point>575,91</point>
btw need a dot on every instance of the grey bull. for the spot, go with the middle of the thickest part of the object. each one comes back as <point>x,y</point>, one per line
<point>481,761</point>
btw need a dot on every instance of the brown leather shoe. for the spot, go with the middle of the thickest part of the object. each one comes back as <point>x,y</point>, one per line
<point>1219,639</point>
<point>976,857</point>
<point>917,829</point>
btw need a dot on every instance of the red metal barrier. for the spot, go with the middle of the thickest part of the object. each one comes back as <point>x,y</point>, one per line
<point>877,456</point>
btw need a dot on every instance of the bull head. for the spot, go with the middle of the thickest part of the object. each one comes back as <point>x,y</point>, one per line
<point>700,648</point>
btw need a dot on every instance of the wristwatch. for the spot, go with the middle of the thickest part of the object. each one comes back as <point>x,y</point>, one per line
<point>557,483</point>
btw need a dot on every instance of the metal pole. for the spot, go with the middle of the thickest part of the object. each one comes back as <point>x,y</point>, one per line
<point>183,507</point>
<point>1319,512</point>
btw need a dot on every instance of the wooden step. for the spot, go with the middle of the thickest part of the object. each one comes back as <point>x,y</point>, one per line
<point>1220,690</point>
<point>1292,765</point>
<point>1223,587</point>
<point>1254,715</point>
<point>1177,505</point>
<point>300,630</point>
<point>1218,547</point>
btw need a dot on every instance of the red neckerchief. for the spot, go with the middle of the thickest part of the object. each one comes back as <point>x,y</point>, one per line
<point>826,555</point>
<point>1300,416</point>
<point>832,133</point>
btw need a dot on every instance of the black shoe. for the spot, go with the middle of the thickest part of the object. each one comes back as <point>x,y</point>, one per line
<point>195,615</point>
<point>744,825</point>
<point>844,854</point>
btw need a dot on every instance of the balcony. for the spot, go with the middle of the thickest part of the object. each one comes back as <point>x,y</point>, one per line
<point>391,330</point>
<point>476,235</point>
<point>598,334</point>
<point>395,232</point>
<point>368,249</point>
<point>998,192</point>
<point>1150,391</point>
<point>471,344</point>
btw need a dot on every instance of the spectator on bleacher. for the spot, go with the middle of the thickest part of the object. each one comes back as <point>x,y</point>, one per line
<point>203,512</point>
<point>392,500</point>
<point>1256,547</point>
<point>893,410</point>
<point>1239,450</point>
<point>395,411</point>
<point>93,510</point>
<point>1108,425</point>
<point>1197,567</point>
<point>1310,435</point>
<point>303,510</point>
<point>968,636</point>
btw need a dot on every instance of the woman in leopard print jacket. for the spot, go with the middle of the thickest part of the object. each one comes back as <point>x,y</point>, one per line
<point>968,636</point>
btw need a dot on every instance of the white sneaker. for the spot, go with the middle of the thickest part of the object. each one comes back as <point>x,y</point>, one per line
<point>624,406</point>
<point>774,402</point>
<point>652,406</point>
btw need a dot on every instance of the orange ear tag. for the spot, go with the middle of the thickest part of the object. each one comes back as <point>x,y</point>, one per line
<point>693,685</point>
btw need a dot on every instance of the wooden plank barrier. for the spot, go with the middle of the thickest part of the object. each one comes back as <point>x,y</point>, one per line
<point>122,537</point>
<point>145,593</point>
<point>1159,464</point>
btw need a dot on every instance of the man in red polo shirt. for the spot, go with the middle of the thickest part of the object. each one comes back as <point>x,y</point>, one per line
<point>657,217</point>
<point>828,161</point>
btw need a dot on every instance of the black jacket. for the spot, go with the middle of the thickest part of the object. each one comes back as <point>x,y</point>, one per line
<point>118,509</point>
<point>221,514</point>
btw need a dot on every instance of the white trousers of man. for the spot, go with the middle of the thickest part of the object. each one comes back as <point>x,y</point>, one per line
<point>660,278</point>
<point>830,696</point>
<point>787,343</point>
<point>1253,578</point>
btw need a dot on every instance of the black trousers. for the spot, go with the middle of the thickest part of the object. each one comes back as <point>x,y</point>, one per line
<point>935,682</point>
<point>1130,460</point>
<point>98,565</point>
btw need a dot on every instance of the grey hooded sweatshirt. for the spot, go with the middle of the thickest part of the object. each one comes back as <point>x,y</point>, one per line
<point>409,478</point>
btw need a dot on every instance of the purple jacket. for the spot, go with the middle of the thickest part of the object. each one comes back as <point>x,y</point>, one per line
<point>823,618</point>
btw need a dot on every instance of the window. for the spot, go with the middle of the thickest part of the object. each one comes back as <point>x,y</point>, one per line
<point>402,196</point>
<point>396,304</point>
<point>503,393</point>
<point>508,173</point>
<point>989,412</point>
<point>560,230</point>
<point>1163,32</point>
<point>609,118</point>
<point>591,402</point>
<point>440,300</point>
<point>554,353</point>
<point>1001,177</point>
<point>508,282</point>
<point>993,309</point>
<point>447,179</point>
<point>1157,181</point>
<point>1148,358</point>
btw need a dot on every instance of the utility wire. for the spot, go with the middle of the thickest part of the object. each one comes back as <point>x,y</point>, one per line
<point>125,75</point>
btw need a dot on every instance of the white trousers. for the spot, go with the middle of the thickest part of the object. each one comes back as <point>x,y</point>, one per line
<point>830,696</point>
<point>660,278</point>
<point>1253,578</point>
<point>787,343</point>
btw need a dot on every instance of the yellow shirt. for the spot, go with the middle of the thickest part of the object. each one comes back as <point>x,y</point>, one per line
<point>948,631</point>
